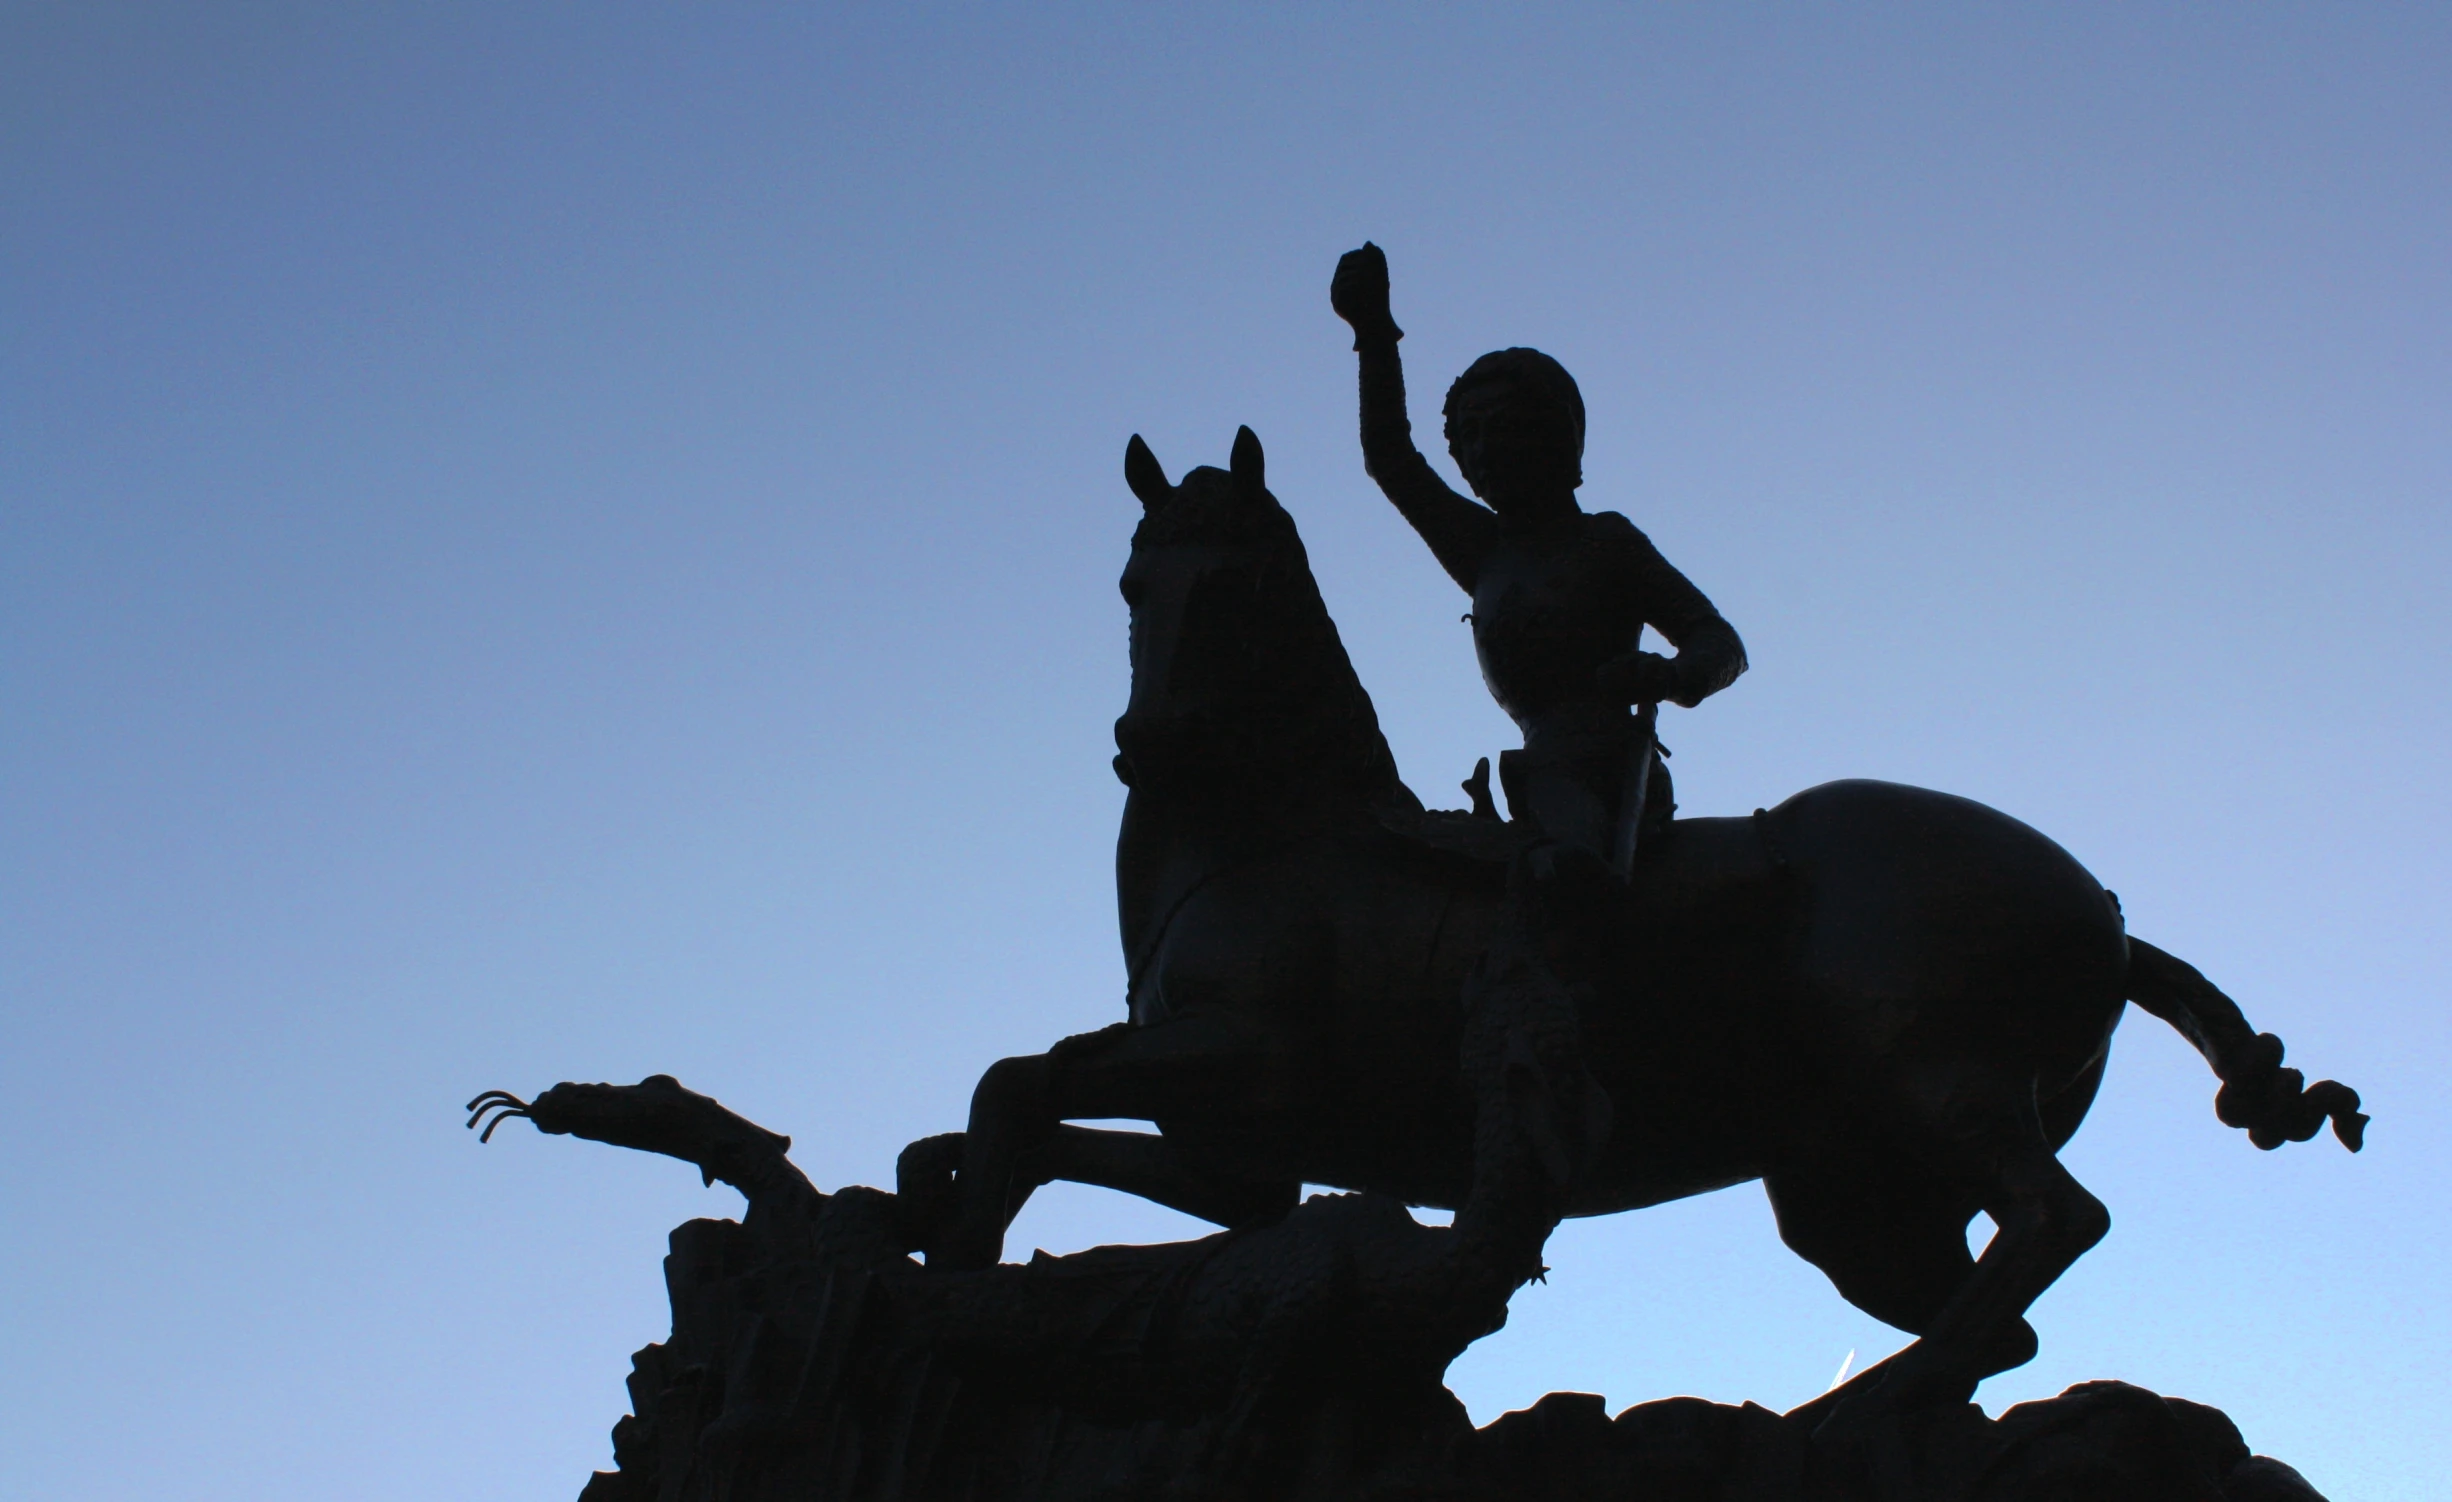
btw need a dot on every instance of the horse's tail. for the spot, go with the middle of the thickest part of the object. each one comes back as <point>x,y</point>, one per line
<point>2275,1105</point>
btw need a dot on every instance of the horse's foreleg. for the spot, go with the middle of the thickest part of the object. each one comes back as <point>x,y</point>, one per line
<point>1011,1113</point>
<point>1147,1166</point>
<point>1196,1065</point>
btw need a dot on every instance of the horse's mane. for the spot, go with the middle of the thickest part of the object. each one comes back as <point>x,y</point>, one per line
<point>1326,725</point>
<point>1206,508</point>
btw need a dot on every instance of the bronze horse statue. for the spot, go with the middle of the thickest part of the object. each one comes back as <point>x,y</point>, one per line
<point>1890,1005</point>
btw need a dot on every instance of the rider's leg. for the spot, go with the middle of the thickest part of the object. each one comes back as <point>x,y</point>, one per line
<point>1574,776</point>
<point>1566,811</point>
<point>1563,890</point>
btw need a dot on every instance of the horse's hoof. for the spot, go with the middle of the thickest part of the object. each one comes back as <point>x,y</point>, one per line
<point>927,1196</point>
<point>2014,1346</point>
<point>1862,1449</point>
<point>958,1253</point>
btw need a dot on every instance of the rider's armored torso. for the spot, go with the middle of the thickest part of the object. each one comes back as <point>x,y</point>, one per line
<point>1560,596</point>
<point>1553,605</point>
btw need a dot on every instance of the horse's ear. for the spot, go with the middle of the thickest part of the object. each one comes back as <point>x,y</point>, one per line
<point>1248,465</point>
<point>1144,474</point>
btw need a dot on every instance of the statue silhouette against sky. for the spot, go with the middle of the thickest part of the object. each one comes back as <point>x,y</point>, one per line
<point>1890,1005</point>
<point>1560,595</point>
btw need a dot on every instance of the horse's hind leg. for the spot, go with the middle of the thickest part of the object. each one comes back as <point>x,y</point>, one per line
<point>1890,1236</point>
<point>1988,1136</point>
<point>2045,1221</point>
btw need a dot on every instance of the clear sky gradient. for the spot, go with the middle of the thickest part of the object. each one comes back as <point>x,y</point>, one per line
<point>568,542</point>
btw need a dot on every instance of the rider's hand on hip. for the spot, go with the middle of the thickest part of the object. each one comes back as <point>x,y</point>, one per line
<point>1639,678</point>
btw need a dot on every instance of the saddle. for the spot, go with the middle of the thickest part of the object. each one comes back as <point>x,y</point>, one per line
<point>1685,870</point>
<point>1468,835</point>
<point>1480,837</point>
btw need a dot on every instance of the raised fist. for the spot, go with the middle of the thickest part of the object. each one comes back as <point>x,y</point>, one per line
<point>1359,292</point>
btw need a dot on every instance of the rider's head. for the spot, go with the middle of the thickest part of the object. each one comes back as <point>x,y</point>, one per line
<point>1515,424</point>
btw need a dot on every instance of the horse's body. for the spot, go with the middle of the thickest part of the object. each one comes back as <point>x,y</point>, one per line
<point>1891,1005</point>
<point>1784,996</point>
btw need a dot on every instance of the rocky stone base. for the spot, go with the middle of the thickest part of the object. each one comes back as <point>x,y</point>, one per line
<point>813,1358</point>
<point>778,1387</point>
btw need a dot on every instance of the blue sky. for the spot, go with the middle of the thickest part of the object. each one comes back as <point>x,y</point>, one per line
<point>550,543</point>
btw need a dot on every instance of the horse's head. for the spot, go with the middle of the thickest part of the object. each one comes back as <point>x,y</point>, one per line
<point>1241,691</point>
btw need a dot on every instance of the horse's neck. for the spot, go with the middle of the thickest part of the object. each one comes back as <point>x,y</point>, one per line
<point>1169,848</point>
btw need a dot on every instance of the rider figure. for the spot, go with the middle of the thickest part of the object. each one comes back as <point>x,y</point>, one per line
<point>1560,595</point>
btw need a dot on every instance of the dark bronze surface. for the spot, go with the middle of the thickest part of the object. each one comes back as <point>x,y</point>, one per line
<point>1891,1005</point>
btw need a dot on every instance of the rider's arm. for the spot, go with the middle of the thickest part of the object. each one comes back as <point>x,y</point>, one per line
<point>1709,655</point>
<point>1459,532</point>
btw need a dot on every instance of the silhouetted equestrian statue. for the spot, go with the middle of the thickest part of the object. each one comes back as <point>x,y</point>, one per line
<point>1892,1006</point>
